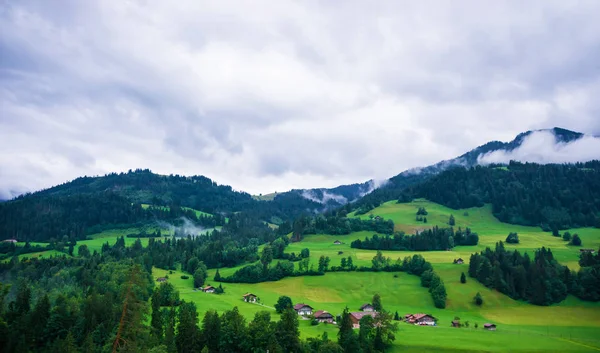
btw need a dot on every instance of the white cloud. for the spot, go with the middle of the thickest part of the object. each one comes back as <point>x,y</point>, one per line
<point>542,147</point>
<point>278,95</point>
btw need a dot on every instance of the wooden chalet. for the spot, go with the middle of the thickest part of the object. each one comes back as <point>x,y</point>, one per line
<point>459,261</point>
<point>10,241</point>
<point>337,242</point>
<point>489,327</point>
<point>455,323</point>
<point>323,316</point>
<point>420,319</point>
<point>209,289</point>
<point>161,279</point>
<point>249,298</point>
<point>587,250</point>
<point>303,309</point>
<point>367,307</point>
<point>355,317</point>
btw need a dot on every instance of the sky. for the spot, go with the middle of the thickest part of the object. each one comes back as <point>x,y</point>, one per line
<point>273,95</point>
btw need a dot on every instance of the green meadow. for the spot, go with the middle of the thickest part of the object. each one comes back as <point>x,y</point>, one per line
<point>570,326</point>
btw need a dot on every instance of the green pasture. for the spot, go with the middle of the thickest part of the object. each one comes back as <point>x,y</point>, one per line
<point>521,327</point>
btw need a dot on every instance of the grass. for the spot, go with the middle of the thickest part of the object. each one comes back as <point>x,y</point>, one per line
<point>570,326</point>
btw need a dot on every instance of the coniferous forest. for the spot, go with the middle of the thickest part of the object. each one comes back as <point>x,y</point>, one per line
<point>553,196</point>
<point>540,281</point>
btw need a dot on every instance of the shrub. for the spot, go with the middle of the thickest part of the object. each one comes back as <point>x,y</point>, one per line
<point>478,299</point>
<point>185,277</point>
<point>512,238</point>
<point>576,240</point>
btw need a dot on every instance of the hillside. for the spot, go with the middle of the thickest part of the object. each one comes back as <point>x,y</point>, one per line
<point>393,188</point>
<point>551,196</point>
<point>90,203</point>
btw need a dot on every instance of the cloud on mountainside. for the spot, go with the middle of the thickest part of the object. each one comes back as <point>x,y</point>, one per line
<point>269,96</point>
<point>542,147</point>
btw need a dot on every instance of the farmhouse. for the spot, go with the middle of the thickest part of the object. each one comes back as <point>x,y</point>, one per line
<point>355,317</point>
<point>489,327</point>
<point>161,279</point>
<point>367,307</point>
<point>459,261</point>
<point>421,319</point>
<point>10,241</point>
<point>249,298</point>
<point>303,309</point>
<point>455,323</point>
<point>324,316</point>
<point>209,289</point>
<point>337,242</point>
<point>580,250</point>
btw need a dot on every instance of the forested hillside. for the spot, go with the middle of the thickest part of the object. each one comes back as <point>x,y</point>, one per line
<point>551,196</point>
<point>73,208</point>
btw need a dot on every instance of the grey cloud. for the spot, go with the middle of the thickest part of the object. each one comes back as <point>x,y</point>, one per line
<point>542,147</point>
<point>296,95</point>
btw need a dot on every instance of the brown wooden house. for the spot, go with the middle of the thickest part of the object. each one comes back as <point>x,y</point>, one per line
<point>420,319</point>
<point>324,316</point>
<point>355,317</point>
<point>161,279</point>
<point>303,309</point>
<point>209,289</point>
<point>367,307</point>
<point>249,298</point>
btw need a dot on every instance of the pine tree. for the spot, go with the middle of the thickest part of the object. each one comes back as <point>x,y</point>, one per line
<point>287,332</point>
<point>346,337</point>
<point>478,299</point>
<point>377,302</point>
<point>463,278</point>
<point>211,330</point>
<point>156,320</point>
<point>234,333</point>
<point>451,221</point>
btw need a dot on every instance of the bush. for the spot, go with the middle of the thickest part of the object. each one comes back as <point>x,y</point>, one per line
<point>314,322</point>
<point>567,236</point>
<point>185,277</point>
<point>478,299</point>
<point>576,240</point>
<point>512,238</point>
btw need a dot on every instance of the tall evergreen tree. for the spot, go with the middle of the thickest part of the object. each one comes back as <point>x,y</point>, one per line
<point>288,334</point>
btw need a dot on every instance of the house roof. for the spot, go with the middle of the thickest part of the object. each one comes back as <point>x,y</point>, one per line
<point>161,279</point>
<point>323,314</point>
<point>300,306</point>
<point>489,325</point>
<point>208,287</point>
<point>248,295</point>
<point>365,305</point>
<point>420,316</point>
<point>459,259</point>
<point>359,315</point>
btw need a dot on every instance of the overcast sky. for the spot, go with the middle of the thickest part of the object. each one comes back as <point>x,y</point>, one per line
<point>273,95</point>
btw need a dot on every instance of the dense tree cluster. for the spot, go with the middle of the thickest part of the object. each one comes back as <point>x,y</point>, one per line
<point>431,280</point>
<point>336,224</point>
<point>512,238</point>
<point>73,305</point>
<point>541,281</point>
<point>427,240</point>
<point>552,196</point>
<point>91,204</point>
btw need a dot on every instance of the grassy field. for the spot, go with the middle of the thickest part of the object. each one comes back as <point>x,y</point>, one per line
<point>570,326</point>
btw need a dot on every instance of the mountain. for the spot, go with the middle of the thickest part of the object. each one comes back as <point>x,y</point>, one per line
<point>553,196</point>
<point>361,197</point>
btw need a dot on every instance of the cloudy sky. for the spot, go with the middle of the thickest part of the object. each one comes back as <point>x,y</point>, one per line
<point>273,95</point>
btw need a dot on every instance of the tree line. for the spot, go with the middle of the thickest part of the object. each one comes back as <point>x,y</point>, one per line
<point>553,196</point>
<point>540,281</point>
<point>428,240</point>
